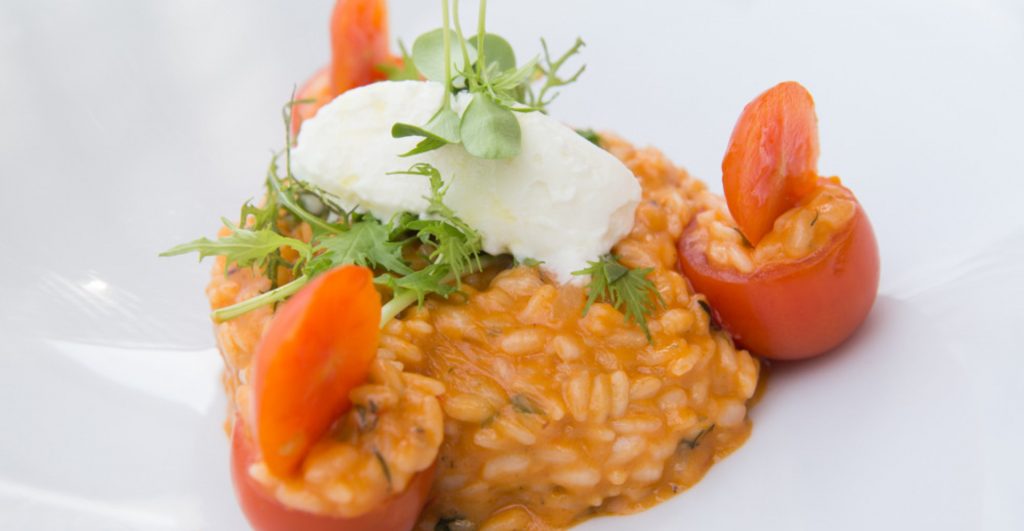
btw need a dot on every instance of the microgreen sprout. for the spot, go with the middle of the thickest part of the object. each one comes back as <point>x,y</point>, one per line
<point>485,66</point>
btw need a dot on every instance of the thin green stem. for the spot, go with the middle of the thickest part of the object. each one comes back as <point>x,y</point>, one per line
<point>274,295</point>
<point>290,205</point>
<point>446,100</point>
<point>481,63</point>
<point>462,38</point>
<point>395,306</point>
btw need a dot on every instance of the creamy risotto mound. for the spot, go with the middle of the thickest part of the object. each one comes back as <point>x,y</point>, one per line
<point>538,415</point>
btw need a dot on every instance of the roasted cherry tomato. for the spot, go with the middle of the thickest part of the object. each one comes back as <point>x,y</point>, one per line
<point>772,158</point>
<point>266,513</point>
<point>359,47</point>
<point>318,347</point>
<point>786,309</point>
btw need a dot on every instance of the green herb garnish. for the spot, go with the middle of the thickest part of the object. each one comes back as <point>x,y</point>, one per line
<point>451,247</point>
<point>406,72</point>
<point>696,440</point>
<point>628,290</point>
<point>383,466</point>
<point>452,523</point>
<point>712,322</point>
<point>485,66</point>
<point>523,404</point>
<point>590,135</point>
<point>243,247</point>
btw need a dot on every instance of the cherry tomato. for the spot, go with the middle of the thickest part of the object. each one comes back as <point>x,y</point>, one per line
<point>266,513</point>
<point>318,347</point>
<point>772,158</point>
<point>359,46</point>
<point>797,309</point>
<point>359,43</point>
<point>784,309</point>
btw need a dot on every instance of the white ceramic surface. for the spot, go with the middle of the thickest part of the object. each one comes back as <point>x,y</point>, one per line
<point>131,125</point>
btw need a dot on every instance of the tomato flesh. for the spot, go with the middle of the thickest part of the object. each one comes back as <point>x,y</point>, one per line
<point>797,309</point>
<point>266,513</point>
<point>772,159</point>
<point>318,347</point>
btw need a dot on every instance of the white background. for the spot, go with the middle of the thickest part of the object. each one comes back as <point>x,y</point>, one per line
<point>129,126</point>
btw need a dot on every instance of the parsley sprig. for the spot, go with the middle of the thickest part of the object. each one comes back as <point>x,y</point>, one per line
<point>449,247</point>
<point>485,66</point>
<point>628,290</point>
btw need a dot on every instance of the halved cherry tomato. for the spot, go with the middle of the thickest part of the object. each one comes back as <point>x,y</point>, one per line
<point>266,513</point>
<point>772,158</point>
<point>318,347</point>
<point>792,310</point>
<point>789,309</point>
<point>359,46</point>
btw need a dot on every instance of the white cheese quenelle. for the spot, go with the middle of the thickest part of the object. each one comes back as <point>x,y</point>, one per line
<point>562,200</point>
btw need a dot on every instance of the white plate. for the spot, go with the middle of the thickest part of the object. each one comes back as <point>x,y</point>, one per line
<point>131,126</point>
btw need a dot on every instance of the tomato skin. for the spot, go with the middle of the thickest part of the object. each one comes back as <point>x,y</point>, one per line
<point>317,89</point>
<point>317,348</point>
<point>359,46</point>
<point>359,43</point>
<point>792,310</point>
<point>265,513</point>
<point>772,159</point>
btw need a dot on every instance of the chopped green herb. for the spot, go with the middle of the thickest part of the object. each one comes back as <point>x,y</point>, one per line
<point>696,440</point>
<point>384,466</point>
<point>815,220</point>
<point>523,404</point>
<point>712,322</point>
<point>453,523</point>
<point>366,416</point>
<point>628,290</point>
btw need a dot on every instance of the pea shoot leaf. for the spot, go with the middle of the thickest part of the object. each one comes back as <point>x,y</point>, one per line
<point>497,52</point>
<point>428,54</point>
<point>489,130</point>
<point>484,65</point>
<point>441,130</point>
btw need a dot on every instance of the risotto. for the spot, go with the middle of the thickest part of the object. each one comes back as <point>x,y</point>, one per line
<point>452,311</point>
<point>796,234</point>
<point>549,417</point>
